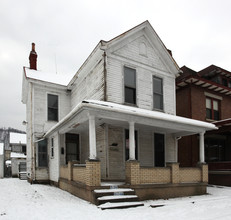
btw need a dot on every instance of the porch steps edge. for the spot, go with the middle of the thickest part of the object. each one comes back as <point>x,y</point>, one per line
<point>120,205</point>
<point>117,199</point>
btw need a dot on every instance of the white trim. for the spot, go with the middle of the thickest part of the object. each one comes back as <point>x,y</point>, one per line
<point>213,96</point>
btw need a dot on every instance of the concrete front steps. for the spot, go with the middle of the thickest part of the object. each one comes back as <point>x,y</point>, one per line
<point>116,198</point>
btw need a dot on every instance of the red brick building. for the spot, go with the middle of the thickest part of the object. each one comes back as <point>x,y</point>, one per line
<point>206,96</point>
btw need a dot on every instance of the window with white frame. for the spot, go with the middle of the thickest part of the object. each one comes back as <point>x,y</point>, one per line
<point>158,93</point>
<point>212,108</point>
<point>42,153</point>
<point>129,85</point>
<point>52,147</point>
<point>52,105</point>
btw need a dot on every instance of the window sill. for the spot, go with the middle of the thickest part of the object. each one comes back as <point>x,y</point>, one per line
<point>130,104</point>
<point>211,120</point>
<point>158,110</point>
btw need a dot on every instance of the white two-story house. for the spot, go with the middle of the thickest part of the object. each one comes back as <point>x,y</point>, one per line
<point>115,120</point>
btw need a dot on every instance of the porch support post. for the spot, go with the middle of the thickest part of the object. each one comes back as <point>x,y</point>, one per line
<point>202,152</point>
<point>132,155</point>
<point>92,138</point>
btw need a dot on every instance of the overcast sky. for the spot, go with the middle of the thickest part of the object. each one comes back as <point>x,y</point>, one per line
<point>65,32</point>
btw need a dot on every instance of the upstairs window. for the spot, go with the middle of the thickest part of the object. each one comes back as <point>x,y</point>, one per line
<point>52,103</point>
<point>212,109</point>
<point>130,85</point>
<point>158,93</point>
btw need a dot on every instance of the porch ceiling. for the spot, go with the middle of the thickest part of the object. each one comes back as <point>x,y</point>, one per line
<point>120,115</point>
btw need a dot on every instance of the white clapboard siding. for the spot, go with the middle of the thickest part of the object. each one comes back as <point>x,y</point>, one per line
<point>90,81</point>
<point>146,66</point>
<point>41,125</point>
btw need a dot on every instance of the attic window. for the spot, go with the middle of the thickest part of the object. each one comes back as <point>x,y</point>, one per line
<point>143,49</point>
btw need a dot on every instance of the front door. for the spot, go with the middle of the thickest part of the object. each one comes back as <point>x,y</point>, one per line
<point>72,147</point>
<point>159,147</point>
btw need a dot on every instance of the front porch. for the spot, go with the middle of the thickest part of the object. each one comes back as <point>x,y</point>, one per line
<point>130,144</point>
<point>148,183</point>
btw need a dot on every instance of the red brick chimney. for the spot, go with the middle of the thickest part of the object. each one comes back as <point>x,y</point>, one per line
<point>33,58</point>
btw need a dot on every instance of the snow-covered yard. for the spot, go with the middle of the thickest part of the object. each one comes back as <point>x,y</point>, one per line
<point>20,200</point>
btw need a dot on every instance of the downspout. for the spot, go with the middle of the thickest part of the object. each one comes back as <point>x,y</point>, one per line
<point>105,75</point>
<point>31,139</point>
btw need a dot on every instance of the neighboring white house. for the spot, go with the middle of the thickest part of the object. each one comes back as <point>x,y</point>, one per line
<point>1,160</point>
<point>17,142</point>
<point>119,107</point>
<point>16,159</point>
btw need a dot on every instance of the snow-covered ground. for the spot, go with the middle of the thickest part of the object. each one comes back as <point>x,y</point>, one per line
<point>20,200</point>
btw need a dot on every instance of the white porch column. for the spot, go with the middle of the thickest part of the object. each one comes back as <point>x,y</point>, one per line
<point>132,155</point>
<point>176,149</point>
<point>92,138</point>
<point>202,152</point>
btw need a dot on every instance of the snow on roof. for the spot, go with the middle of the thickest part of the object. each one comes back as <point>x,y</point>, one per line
<point>61,79</point>
<point>17,138</point>
<point>151,114</point>
<point>109,106</point>
<point>17,155</point>
<point>1,148</point>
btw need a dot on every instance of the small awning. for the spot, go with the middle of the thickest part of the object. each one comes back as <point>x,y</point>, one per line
<point>120,115</point>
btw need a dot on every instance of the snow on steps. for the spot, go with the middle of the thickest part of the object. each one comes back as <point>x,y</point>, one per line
<point>120,205</point>
<point>116,198</point>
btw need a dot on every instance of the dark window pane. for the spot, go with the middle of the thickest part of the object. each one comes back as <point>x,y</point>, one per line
<point>157,85</point>
<point>130,77</point>
<point>52,101</point>
<point>42,153</point>
<point>216,115</point>
<point>158,101</point>
<point>130,95</point>
<point>52,107</point>
<point>208,113</point>
<point>157,93</point>
<point>224,82</point>
<point>52,114</point>
<point>72,147</point>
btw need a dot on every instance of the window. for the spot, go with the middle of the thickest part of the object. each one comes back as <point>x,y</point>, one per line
<point>52,102</point>
<point>157,93</point>
<point>159,146</point>
<point>42,153</point>
<point>52,147</point>
<point>72,147</point>
<point>212,109</point>
<point>130,85</point>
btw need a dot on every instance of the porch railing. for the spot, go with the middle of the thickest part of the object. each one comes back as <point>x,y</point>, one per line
<point>88,174</point>
<point>171,174</point>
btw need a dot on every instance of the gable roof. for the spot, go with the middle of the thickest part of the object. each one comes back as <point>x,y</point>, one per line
<point>153,35</point>
<point>202,79</point>
<point>104,45</point>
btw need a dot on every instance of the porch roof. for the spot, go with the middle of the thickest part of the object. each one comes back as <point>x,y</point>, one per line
<point>111,113</point>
